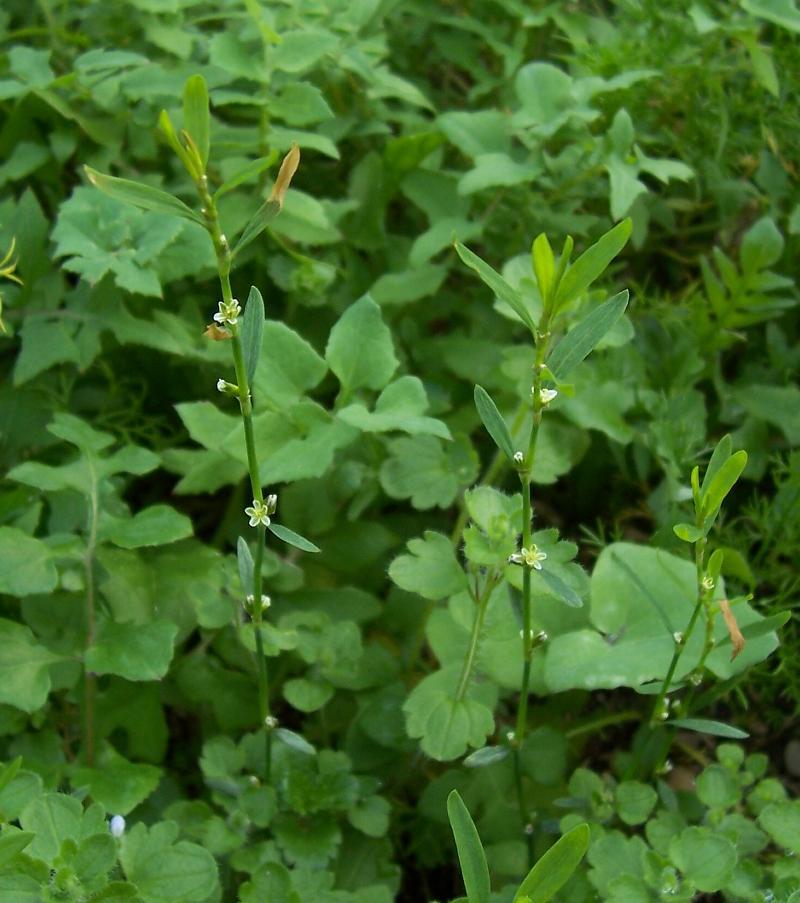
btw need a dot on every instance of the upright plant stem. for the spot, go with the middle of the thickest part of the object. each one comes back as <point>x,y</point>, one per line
<point>529,643</point>
<point>223,253</point>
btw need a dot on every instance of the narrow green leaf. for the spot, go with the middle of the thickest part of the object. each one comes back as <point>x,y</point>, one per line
<point>723,481</point>
<point>9,772</point>
<point>704,726</point>
<point>252,332</point>
<point>723,451</point>
<point>687,532</point>
<point>294,741</point>
<point>555,868</point>
<point>257,223</point>
<point>578,342</point>
<point>492,419</point>
<point>244,560</point>
<point>196,117</point>
<point>253,169</point>
<point>291,538</point>
<point>497,284</point>
<point>759,628</point>
<point>13,842</point>
<point>544,265</point>
<point>144,196</point>
<point>592,263</point>
<point>486,755</point>
<point>168,131</point>
<point>470,851</point>
<point>560,589</point>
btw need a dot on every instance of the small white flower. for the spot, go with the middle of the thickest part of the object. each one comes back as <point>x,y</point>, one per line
<point>547,395</point>
<point>258,513</point>
<point>518,457</point>
<point>528,829</point>
<point>117,826</point>
<point>227,388</point>
<point>542,636</point>
<point>532,557</point>
<point>229,312</point>
<point>707,584</point>
<point>270,722</point>
<point>677,636</point>
<point>265,601</point>
<point>272,503</point>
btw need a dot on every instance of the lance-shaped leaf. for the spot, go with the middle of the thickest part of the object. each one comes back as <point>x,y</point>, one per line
<point>140,195</point>
<point>257,223</point>
<point>167,129</point>
<point>470,851</point>
<point>244,560</point>
<point>291,538</point>
<point>705,726</point>
<point>721,484</point>
<point>555,868</point>
<point>544,265</point>
<point>252,332</point>
<point>578,342</point>
<point>294,741</point>
<point>592,263</point>
<point>196,117</point>
<point>497,284</point>
<point>492,419</point>
<point>253,169</point>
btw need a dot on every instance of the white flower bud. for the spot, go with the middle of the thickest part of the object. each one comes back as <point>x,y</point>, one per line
<point>117,826</point>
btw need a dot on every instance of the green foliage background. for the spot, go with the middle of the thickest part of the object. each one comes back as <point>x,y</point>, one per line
<point>419,124</point>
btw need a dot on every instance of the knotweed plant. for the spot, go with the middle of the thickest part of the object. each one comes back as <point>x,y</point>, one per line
<point>241,327</point>
<point>560,285</point>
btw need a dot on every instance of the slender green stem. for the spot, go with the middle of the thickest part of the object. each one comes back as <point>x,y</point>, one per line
<point>524,814</point>
<point>482,602</point>
<point>222,250</point>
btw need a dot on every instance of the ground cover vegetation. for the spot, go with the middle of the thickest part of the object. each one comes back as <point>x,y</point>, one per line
<point>400,432</point>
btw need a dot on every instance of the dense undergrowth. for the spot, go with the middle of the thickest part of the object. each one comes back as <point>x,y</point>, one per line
<point>560,583</point>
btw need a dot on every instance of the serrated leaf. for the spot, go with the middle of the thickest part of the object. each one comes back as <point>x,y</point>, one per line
<point>143,196</point>
<point>555,868</point>
<point>24,667</point>
<point>474,869</point>
<point>431,569</point>
<point>580,340</point>
<point>252,332</point>
<point>492,419</point>
<point>26,563</point>
<point>153,526</point>
<point>497,284</point>
<point>132,651</point>
<point>291,538</point>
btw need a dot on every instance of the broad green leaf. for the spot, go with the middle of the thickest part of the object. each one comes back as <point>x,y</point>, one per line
<point>196,117</point>
<point>400,406</point>
<point>117,784</point>
<point>307,695</point>
<point>164,871</point>
<point>13,842</point>
<point>706,857</point>
<point>140,195</point>
<point>132,651</point>
<point>634,801</point>
<point>360,349</point>
<point>78,432</point>
<point>256,224</point>
<point>492,419</point>
<point>26,564</point>
<point>722,482</point>
<point>371,816</point>
<point>153,526</point>
<point>718,787</point>
<point>706,726</point>
<point>289,367</point>
<point>544,265</point>
<point>428,471</point>
<point>782,822</point>
<point>592,263</point>
<point>580,340</point>
<point>24,667</point>
<point>252,332</point>
<point>688,532</point>
<point>560,589</point>
<point>555,868</point>
<point>431,568</point>
<point>53,818</point>
<point>474,869</point>
<point>497,284</point>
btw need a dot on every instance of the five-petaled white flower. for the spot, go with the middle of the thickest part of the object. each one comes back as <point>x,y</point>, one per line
<point>260,511</point>
<point>229,312</point>
<point>532,557</point>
